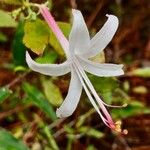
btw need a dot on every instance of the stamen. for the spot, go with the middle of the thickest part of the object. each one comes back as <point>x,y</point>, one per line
<point>106,122</point>
<point>118,128</point>
<point>116,106</point>
<point>99,101</point>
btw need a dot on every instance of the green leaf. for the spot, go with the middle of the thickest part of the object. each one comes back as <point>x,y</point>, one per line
<point>36,35</point>
<point>12,2</point>
<point>8,142</point>
<point>3,37</point>
<point>6,20</point>
<point>18,47</point>
<point>52,92</point>
<point>47,57</point>
<point>91,132</point>
<point>37,98</point>
<point>4,93</point>
<point>105,86</point>
<point>91,147</point>
<point>132,109</point>
<point>141,72</point>
<point>65,28</point>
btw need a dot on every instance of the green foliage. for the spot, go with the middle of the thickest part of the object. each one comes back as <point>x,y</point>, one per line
<point>142,72</point>
<point>6,20</point>
<point>37,40</point>
<point>18,47</point>
<point>105,86</point>
<point>48,57</point>
<point>52,92</point>
<point>12,2</point>
<point>132,109</point>
<point>8,142</point>
<point>37,98</point>
<point>3,37</point>
<point>4,93</point>
<point>51,139</point>
<point>36,35</point>
<point>65,28</point>
<point>91,132</point>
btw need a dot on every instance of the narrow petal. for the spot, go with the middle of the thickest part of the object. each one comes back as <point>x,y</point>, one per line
<point>79,39</point>
<point>48,69</point>
<point>103,69</point>
<point>70,103</point>
<point>103,37</point>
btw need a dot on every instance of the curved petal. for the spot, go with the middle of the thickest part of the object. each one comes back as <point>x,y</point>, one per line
<point>79,39</point>
<point>102,70</point>
<point>71,101</point>
<point>103,37</point>
<point>48,69</point>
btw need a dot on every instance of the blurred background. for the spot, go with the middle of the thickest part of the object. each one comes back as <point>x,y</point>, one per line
<point>28,100</point>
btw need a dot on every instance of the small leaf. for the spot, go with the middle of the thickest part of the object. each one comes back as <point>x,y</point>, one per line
<point>140,90</point>
<point>3,37</point>
<point>8,142</point>
<point>4,93</point>
<point>18,46</point>
<point>52,92</point>
<point>142,72</point>
<point>12,2</point>
<point>36,35</point>
<point>37,98</point>
<point>47,57</point>
<point>6,20</point>
<point>105,86</point>
<point>65,28</point>
<point>132,109</point>
<point>91,132</point>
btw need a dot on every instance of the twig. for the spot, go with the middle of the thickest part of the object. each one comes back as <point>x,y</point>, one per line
<point>12,111</point>
<point>17,79</point>
<point>94,14</point>
<point>122,141</point>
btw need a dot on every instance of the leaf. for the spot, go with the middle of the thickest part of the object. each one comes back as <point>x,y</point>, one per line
<point>14,2</point>
<point>37,98</point>
<point>3,37</point>
<point>36,35</point>
<point>105,86</point>
<point>47,57</point>
<point>141,72</point>
<point>8,142</point>
<point>65,28</point>
<point>4,93</point>
<point>91,132</point>
<point>52,92</point>
<point>18,47</point>
<point>132,109</point>
<point>6,20</point>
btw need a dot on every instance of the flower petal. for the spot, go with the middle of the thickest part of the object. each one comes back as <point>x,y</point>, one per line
<point>102,70</point>
<point>48,69</point>
<point>79,39</point>
<point>70,103</point>
<point>103,37</point>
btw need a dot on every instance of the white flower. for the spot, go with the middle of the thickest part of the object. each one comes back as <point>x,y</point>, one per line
<point>79,48</point>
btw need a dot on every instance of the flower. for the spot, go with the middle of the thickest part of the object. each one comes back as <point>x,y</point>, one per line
<point>78,49</point>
